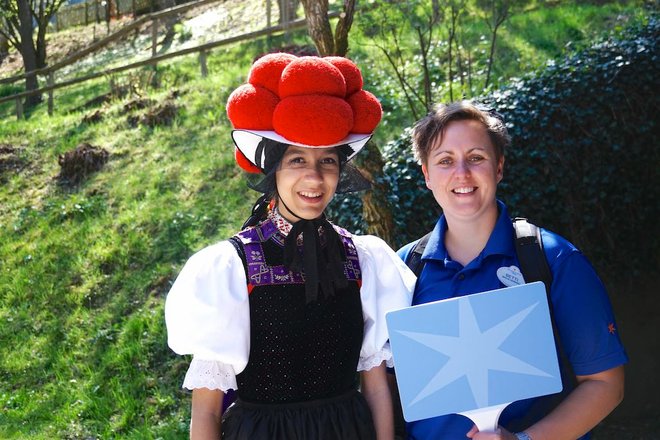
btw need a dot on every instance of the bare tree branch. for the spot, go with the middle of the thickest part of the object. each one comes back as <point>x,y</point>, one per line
<point>316,12</point>
<point>343,28</point>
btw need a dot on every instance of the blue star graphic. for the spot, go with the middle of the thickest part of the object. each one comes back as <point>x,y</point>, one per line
<point>473,353</point>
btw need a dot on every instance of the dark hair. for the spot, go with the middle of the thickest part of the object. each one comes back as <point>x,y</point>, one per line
<point>430,129</point>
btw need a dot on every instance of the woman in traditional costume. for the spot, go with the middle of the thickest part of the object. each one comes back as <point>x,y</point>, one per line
<point>288,309</point>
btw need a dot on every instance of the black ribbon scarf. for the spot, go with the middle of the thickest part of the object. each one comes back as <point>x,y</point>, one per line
<point>321,261</point>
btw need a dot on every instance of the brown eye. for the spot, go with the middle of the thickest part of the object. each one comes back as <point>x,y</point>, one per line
<point>295,162</point>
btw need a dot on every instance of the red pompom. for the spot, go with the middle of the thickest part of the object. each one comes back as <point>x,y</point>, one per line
<point>251,107</point>
<point>367,111</point>
<point>309,76</point>
<point>244,163</point>
<point>313,119</point>
<point>266,71</point>
<point>350,71</point>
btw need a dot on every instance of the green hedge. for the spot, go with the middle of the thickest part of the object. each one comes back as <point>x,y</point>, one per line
<point>584,160</point>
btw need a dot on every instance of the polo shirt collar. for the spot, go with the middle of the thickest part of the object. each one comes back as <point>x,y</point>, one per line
<point>500,241</point>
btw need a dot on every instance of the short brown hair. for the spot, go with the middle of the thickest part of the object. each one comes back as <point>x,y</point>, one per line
<point>428,130</point>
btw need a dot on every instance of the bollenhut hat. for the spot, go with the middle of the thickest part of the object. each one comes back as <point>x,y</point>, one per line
<point>312,102</point>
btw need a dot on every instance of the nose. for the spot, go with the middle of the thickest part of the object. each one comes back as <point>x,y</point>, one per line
<point>462,168</point>
<point>314,172</point>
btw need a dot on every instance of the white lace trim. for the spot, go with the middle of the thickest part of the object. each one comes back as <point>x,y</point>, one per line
<point>213,375</point>
<point>385,354</point>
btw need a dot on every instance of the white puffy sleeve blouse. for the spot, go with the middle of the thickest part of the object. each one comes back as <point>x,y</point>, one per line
<point>208,315</point>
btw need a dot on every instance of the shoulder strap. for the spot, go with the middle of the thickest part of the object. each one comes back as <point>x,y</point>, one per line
<point>529,247</point>
<point>414,257</point>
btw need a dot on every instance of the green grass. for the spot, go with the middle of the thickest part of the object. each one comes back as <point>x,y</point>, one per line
<point>84,270</point>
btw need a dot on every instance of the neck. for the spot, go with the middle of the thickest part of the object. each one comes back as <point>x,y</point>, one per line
<point>291,219</point>
<point>465,240</point>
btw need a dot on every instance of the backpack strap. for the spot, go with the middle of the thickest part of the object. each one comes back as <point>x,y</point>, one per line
<point>529,248</point>
<point>414,257</point>
<point>533,262</point>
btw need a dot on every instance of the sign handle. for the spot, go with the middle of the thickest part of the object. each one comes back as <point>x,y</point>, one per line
<point>486,418</point>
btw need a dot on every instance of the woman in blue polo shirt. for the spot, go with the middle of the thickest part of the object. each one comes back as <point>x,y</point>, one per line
<point>461,149</point>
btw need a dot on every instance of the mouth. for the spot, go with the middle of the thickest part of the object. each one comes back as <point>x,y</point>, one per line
<point>464,190</point>
<point>310,196</point>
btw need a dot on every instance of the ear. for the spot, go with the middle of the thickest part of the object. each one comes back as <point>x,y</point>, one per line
<point>500,169</point>
<point>425,171</point>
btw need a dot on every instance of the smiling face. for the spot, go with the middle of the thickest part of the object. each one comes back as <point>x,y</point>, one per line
<point>463,170</point>
<point>306,181</point>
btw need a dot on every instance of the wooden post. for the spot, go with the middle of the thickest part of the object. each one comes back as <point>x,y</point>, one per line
<point>154,37</point>
<point>202,64</point>
<point>19,108</point>
<point>50,81</point>
<point>86,13</point>
<point>284,19</point>
<point>269,20</point>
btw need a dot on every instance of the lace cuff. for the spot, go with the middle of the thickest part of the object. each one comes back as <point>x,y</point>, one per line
<point>213,375</point>
<point>385,354</point>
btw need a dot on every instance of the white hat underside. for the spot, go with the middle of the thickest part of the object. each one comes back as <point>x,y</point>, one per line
<point>248,140</point>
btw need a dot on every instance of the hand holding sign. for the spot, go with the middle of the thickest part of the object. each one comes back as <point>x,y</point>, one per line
<point>474,354</point>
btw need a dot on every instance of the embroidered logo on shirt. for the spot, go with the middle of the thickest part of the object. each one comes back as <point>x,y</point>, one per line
<point>510,276</point>
<point>611,328</point>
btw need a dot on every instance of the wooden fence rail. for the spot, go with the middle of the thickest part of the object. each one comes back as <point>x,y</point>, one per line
<point>202,50</point>
<point>107,40</point>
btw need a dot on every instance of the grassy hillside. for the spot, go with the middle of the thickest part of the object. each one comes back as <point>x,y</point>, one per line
<point>84,268</point>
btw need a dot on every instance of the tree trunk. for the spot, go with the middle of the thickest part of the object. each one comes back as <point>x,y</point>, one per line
<point>288,10</point>
<point>318,26</point>
<point>167,24</point>
<point>41,43</point>
<point>4,45</point>
<point>376,208</point>
<point>28,51</point>
<point>491,57</point>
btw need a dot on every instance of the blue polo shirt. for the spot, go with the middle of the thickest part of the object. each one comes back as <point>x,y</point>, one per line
<point>582,312</point>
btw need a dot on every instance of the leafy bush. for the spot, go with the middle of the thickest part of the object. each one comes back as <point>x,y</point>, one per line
<point>584,159</point>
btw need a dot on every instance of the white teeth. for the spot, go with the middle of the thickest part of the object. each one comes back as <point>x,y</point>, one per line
<point>465,190</point>
<point>310,194</point>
